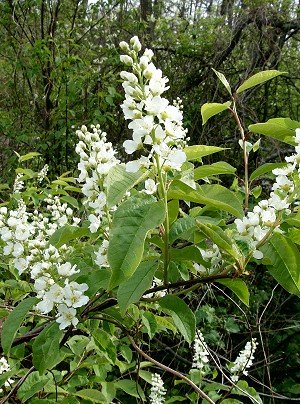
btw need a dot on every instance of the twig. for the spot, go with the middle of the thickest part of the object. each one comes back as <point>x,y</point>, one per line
<point>17,386</point>
<point>170,370</point>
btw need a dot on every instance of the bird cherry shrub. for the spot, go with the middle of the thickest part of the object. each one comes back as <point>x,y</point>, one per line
<point>100,269</point>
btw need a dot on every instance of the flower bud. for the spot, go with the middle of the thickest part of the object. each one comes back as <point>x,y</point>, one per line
<point>127,60</point>
<point>135,43</point>
<point>124,46</point>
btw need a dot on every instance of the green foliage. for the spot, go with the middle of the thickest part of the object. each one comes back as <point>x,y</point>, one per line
<point>212,109</point>
<point>132,221</point>
<point>13,323</point>
<point>258,78</point>
<point>182,315</point>
<point>45,349</point>
<point>284,258</point>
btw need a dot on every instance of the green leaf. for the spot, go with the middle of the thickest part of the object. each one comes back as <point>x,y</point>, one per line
<point>32,385</point>
<point>216,196</point>
<point>286,122</point>
<point>274,130</point>
<point>130,387</point>
<point>245,390</point>
<point>119,181</point>
<point>181,227</point>
<point>45,349</point>
<point>196,152</point>
<point>28,156</point>
<point>182,315</point>
<point>14,321</point>
<point>219,237</point>
<point>95,279</point>
<point>238,287</point>
<point>224,81</point>
<point>173,209</point>
<point>92,395</point>
<point>150,323</point>
<point>221,167</point>
<point>132,290</point>
<point>70,200</point>
<point>256,191</point>
<point>189,253</point>
<point>210,109</point>
<point>67,233</point>
<point>26,172</point>
<point>284,258</point>
<point>259,78</point>
<point>165,323</point>
<point>145,375</point>
<point>131,223</point>
<point>265,168</point>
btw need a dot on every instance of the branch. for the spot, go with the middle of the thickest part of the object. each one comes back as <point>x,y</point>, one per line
<point>17,386</point>
<point>170,370</point>
<point>185,284</point>
<point>98,21</point>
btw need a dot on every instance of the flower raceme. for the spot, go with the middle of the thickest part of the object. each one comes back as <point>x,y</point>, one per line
<point>256,225</point>
<point>244,360</point>
<point>158,391</point>
<point>201,354</point>
<point>156,124</point>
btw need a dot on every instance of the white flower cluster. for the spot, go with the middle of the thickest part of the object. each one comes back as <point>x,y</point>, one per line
<point>157,391</point>
<point>201,354</point>
<point>43,173</point>
<point>244,360</point>
<point>4,367</point>
<point>257,224</point>
<point>25,238</point>
<point>97,157</point>
<point>18,183</point>
<point>213,256</point>
<point>157,125</point>
<point>101,255</point>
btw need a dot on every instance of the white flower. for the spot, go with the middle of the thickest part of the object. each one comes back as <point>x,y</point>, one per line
<point>4,366</point>
<point>150,186</point>
<point>277,203</point>
<point>268,217</point>
<point>67,269</point>
<point>21,264</point>
<point>95,223</point>
<point>135,165</point>
<point>66,316</point>
<point>99,203</point>
<point>259,233</point>
<point>74,297</point>
<point>156,105</point>
<point>131,146</point>
<point>283,183</point>
<point>101,254</point>
<point>157,391</point>
<point>287,170</point>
